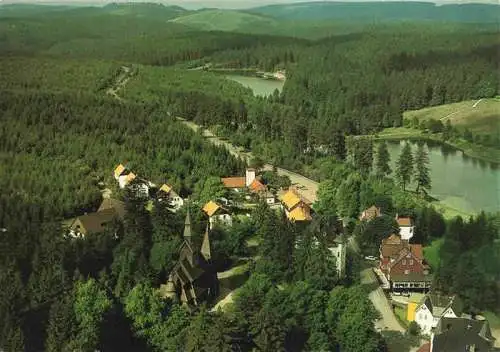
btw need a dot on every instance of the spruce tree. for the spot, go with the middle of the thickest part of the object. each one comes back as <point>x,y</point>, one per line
<point>404,166</point>
<point>383,159</point>
<point>422,171</point>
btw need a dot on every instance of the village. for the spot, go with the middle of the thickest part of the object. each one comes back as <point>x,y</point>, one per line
<point>402,273</point>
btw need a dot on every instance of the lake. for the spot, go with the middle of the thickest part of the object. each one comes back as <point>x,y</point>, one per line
<point>260,86</point>
<point>463,183</point>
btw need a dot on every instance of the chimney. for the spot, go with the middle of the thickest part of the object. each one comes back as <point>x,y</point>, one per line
<point>249,176</point>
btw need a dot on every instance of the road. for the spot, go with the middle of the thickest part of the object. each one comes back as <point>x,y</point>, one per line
<point>307,187</point>
<point>387,319</point>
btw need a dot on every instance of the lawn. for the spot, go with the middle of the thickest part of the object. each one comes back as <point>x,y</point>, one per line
<point>478,116</point>
<point>401,316</point>
<point>431,253</point>
<point>448,208</point>
<point>399,133</point>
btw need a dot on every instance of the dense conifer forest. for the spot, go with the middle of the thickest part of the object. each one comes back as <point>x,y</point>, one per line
<point>62,134</point>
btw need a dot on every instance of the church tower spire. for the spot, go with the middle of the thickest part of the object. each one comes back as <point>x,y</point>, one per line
<point>205,246</point>
<point>187,227</point>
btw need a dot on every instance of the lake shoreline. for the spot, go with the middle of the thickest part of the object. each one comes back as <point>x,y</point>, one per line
<point>472,150</point>
<point>260,86</point>
<point>461,185</point>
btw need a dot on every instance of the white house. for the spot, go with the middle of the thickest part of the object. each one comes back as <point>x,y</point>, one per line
<point>123,176</point>
<point>433,307</point>
<point>166,192</point>
<point>406,227</point>
<point>270,198</point>
<point>338,249</point>
<point>217,214</point>
<point>249,176</point>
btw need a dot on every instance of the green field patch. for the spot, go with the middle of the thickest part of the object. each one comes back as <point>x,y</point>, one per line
<point>223,20</point>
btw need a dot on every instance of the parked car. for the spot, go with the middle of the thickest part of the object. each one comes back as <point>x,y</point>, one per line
<point>370,257</point>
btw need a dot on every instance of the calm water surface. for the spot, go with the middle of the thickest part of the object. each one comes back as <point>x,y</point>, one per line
<point>260,86</point>
<point>464,183</point>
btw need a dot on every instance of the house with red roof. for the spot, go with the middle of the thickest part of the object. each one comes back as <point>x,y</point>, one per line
<point>251,183</point>
<point>403,265</point>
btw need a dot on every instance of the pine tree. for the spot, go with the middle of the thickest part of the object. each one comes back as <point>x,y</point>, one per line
<point>404,166</point>
<point>62,323</point>
<point>422,172</point>
<point>383,158</point>
<point>361,154</point>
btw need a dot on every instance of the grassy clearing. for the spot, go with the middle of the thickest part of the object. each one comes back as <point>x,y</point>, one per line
<point>431,253</point>
<point>448,210</point>
<point>477,115</point>
<point>223,20</point>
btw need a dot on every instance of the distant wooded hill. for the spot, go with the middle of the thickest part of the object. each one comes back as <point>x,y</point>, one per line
<point>383,11</point>
<point>276,19</point>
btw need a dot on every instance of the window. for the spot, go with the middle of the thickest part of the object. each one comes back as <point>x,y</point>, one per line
<point>404,261</point>
<point>411,261</point>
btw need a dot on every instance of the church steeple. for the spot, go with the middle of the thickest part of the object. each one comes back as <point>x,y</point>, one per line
<point>187,227</point>
<point>205,246</point>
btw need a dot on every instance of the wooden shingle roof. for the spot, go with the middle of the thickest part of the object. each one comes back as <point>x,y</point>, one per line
<point>290,199</point>
<point>165,188</point>
<point>119,170</point>
<point>211,208</point>
<point>299,214</point>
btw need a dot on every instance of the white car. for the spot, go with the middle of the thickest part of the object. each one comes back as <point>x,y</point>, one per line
<point>370,257</point>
